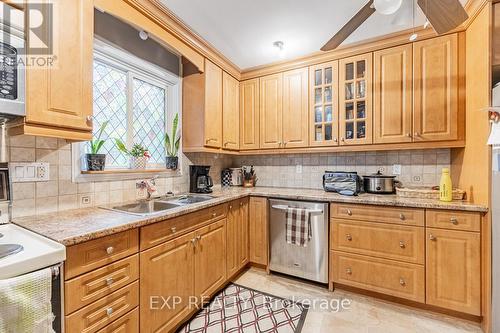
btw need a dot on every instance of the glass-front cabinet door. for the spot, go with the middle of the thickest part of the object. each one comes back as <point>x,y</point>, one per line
<point>324,104</point>
<point>355,100</point>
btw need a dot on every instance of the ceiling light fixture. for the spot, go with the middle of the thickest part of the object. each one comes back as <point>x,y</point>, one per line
<point>280,47</point>
<point>387,7</point>
<point>143,35</point>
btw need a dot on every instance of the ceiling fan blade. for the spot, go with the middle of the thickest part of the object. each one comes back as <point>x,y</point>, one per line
<point>351,26</point>
<point>444,15</point>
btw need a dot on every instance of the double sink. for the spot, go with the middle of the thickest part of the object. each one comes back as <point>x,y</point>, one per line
<point>160,205</point>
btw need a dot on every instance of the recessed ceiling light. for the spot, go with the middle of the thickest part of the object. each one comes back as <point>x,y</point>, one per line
<point>143,35</point>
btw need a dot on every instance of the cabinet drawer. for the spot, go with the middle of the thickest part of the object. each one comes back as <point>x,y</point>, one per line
<point>84,257</point>
<point>370,213</point>
<point>446,219</point>
<point>126,324</point>
<point>104,311</point>
<point>90,287</point>
<point>405,243</point>
<point>158,233</point>
<point>380,275</point>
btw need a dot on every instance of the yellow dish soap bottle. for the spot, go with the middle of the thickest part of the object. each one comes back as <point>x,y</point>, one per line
<point>445,186</point>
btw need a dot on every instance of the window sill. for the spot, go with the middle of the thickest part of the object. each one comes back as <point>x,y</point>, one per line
<point>127,171</point>
<point>82,176</point>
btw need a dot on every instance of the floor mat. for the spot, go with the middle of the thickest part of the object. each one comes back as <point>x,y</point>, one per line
<point>240,309</point>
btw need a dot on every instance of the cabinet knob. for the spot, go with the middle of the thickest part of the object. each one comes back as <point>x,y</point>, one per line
<point>349,212</point>
<point>402,217</point>
<point>110,250</point>
<point>402,282</point>
<point>335,140</point>
<point>348,237</point>
<point>454,220</point>
<point>348,271</point>
<point>432,237</point>
<point>230,206</point>
<point>402,244</point>
<point>109,281</point>
<point>193,241</point>
<point>198,238</point>
<point>241,203</point>
<point>173,229</point>
<point>214,214</point>
<point>89,119</point>
<point>416,134</point>
<point>342,139</point>
<point>408,135</point>
<point>109,311</point>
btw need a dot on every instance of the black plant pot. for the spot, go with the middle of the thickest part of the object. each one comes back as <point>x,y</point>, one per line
<point>95,162</point>
<point>172,162</point>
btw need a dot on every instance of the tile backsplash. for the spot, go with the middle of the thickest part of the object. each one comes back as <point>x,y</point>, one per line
<point>418,167</point>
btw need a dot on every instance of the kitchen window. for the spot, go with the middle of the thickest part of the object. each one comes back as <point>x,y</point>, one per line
<point>137,99</point>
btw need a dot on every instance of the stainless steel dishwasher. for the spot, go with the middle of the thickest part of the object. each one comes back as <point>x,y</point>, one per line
<point>309,262</point>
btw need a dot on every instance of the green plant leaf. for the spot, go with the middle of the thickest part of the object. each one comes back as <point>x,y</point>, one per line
<point>121,147</point>
<point>176,146</point>
<point>99,146</point>
<point>168,146</point>
<point>175,123</point>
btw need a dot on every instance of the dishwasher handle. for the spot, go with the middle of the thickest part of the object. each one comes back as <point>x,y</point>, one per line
<point>285,208</point>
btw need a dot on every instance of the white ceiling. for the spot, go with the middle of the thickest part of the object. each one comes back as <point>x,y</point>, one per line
<point>244,30</point>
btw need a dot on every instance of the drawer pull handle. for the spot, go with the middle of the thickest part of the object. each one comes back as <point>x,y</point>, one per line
<point>402,282</point>
<point>454,220</point>
<point>241,203</point>
<point>402,217</point>
<point>432,237</point>
<point>402,244</point>
<point>110,250</point>
<point>109,281</point>
<point>198,238</point>
<point>348,271</point>
<point>214,214</point>
<point>193,241</point>
<point>230,206</point>
<point>348,237</point>
<point>173,229</point>
<point>109,311</point>
<point>349,212</point>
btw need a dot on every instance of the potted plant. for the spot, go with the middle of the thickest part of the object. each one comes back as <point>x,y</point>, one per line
<point>96,161</point>
<point>172,145</point>
<point>139,155</point>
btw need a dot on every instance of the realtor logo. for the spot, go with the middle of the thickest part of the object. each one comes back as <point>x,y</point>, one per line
<point>39,29</point>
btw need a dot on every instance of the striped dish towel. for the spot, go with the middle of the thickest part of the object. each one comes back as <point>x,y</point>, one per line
<point>298,226</point>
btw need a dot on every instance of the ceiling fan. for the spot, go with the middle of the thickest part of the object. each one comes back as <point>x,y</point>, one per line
<point>443,15</point>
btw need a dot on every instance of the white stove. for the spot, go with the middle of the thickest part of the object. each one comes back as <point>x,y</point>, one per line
<point>23,251</point>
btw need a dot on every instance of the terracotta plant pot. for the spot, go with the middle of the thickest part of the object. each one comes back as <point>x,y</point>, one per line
<point>95,162</point>
<point>139,162</point>
<point>172,162</point>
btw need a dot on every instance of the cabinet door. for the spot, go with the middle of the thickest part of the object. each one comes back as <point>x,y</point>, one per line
<point>453,270</point>
<point>258,230</point>
<point>436,89</point>
<point>166,272</point>
<point>230,113</point>
<point>295,108</point>
<point>249,114</point>
<point>243,233</point>
<point>271,107</point>
<point>355,100</point>
<point>392,99</point>
<point>324,102</point>
<point>213,105</point>
<point>210,259</point>
<point>232,238</point>
<point>61,95</point>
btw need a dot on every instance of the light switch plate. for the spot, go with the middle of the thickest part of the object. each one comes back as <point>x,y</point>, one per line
<point>29,172</point>
<point>298,168</point>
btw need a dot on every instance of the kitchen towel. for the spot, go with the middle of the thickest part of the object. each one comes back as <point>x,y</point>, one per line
<point>25,303</point>
<point>298,226</point>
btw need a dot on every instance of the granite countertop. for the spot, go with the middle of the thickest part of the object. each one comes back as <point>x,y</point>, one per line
<point>76,226</point>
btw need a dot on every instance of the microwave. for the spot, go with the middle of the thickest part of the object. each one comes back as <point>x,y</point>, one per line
<point>12,60</point>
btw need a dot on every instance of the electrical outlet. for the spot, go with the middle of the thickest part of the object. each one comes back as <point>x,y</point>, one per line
<point>298,168</point>
<point>396,169</point>
<point>29,172</point>
<point>417,179</point>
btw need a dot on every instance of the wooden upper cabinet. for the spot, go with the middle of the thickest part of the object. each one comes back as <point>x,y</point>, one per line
<point>60,96</point>
<point>453,270</point>
<point>230,112</point>
<point>249,114</point>
<point>436,88</point>
<point>355,100</point>
<point>202,107</point>
<point>271,111</point>
<point>213,107</point>
<point>392,97</point>
<point>324,108</point>
<point>295,120</point>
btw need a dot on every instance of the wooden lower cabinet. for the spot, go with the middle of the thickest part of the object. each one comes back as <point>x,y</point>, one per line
<point>236,236</point>
<point>258,227</point>
<point>453,270</point>
<point>129,323</point>
<point>210,259</point>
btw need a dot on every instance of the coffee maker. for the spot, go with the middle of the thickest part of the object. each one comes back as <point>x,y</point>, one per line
<point>199,180</point>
